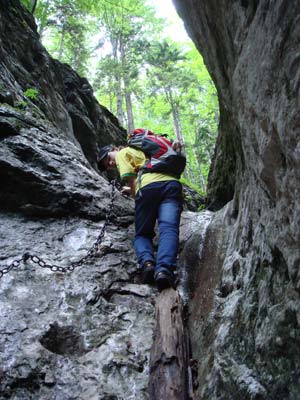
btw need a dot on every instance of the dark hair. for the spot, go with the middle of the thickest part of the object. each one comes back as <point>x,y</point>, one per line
<point>102,154</point>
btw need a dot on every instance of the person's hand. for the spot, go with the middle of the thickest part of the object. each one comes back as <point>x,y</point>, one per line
<point>126,190</point>
<point>129,189</point>
<point>177,146</point>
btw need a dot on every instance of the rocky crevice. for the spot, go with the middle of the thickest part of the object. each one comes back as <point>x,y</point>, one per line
<point>252,316</point>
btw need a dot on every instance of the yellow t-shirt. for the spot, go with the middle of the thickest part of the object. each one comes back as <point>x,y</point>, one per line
<point>130,160</point>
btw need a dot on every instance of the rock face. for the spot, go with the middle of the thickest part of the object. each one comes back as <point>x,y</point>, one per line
<point>80,335</point>
<point>49,140</point>
<point>87,334</point>
<point>245,283</point>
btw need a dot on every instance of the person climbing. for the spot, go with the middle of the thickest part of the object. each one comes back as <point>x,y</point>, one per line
<point>158,197</point>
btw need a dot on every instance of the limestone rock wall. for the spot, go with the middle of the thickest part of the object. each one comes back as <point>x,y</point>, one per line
<point>245,318</point>
<point>80,335</point>
<point>49,141</point>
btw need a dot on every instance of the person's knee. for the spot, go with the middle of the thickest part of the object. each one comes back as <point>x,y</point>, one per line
<point>144,235</point>
<point>166,226</point>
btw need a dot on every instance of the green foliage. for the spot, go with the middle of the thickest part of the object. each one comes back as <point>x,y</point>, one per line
<point>145,80</point>
<point>179,90</point>
<point>202,207</point>
<point>21,105</point>
<point>65,27</point>
<point>192,185</point>
<point>31,93</point>
<point>28,4</point>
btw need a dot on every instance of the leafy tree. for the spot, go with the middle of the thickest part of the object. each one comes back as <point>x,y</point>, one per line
<point>167,76</point>
<point>192,109</point>
<point>62,25</point>
<point>127,25</point>
<point>30,5</point>
<point>106,83</point>
<point>141,78</point>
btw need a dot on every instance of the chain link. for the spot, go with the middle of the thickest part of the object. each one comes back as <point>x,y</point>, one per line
<point>70,268</point>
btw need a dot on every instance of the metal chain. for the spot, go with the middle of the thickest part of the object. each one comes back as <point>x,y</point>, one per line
<point>70,268</point>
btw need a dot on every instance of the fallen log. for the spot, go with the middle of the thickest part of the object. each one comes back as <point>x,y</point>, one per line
<point>169,357</point>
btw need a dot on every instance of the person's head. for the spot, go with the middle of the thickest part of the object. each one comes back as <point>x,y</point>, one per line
<point>106,158</point>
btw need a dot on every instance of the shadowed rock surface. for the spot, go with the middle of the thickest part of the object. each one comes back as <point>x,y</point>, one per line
<point>49,142</point>
<point>74,336</point>
<point>244,289</point>
<point>85,334</point>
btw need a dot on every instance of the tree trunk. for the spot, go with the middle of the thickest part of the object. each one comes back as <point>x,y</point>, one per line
<point>191,175</point>
<point>176,122</point>
<point>34,6</point>
<point>201,177</point>
<point>76,62</point>
<point>169,358</point>
<point>110,103</point>
<point>43,19</point>
<point>130,120</point>
<point>175,115</point>
<point>120,113</point>
<point>62,40</point>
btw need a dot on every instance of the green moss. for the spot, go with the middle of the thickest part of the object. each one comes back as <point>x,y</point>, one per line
<point>21,105</point>
<point>192,186</point>
<point>31,93</point>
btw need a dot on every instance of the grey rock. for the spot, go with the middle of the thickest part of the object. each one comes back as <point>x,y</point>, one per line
<point>49,142</point>
<point>193,201</point>
<point>86,333</point>
<point>244,289</point>
<point>80,335</point>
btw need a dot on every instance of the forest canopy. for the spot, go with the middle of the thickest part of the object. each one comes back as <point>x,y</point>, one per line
<point>142,75</point>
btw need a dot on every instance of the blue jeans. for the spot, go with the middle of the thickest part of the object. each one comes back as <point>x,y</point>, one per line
<point>161,201</point>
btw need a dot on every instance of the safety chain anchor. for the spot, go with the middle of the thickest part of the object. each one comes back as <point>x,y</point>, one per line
<point>70,268</point>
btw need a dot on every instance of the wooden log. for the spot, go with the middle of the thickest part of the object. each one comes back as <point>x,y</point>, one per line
<point>169,357</point>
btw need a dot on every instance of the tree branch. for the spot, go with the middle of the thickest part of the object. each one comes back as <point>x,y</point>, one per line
<point>34,4</point>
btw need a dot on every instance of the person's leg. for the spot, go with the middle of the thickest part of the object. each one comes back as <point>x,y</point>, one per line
<point>168,222</point>
<point>145,217</point>
<point>169,212</point>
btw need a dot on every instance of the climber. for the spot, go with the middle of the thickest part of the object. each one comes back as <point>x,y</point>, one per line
<point>158,196</point>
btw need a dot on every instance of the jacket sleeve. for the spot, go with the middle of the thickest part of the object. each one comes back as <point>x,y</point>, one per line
<point>129,161</point>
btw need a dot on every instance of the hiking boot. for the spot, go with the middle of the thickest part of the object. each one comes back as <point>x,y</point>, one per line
<point>164,281</point>
<point>147,273</point>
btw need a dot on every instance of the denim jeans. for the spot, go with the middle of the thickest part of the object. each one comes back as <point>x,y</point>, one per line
<point>161,201</point>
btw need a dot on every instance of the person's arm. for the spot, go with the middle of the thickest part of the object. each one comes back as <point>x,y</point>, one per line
<point>130,189</point>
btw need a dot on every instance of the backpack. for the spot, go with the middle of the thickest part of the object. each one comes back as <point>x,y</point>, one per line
<point>158,149</point>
